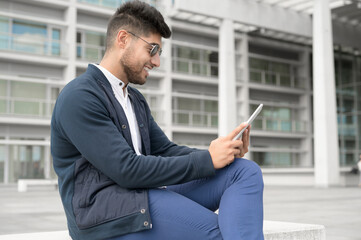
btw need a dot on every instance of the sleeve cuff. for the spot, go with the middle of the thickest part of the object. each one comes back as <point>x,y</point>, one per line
<point>203,164</point>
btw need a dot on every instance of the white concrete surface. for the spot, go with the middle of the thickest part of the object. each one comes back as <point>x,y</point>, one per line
<point>24,183</point>
<point>273,230</point>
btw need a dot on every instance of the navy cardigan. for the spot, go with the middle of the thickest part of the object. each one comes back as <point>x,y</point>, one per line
<point>102,182</point>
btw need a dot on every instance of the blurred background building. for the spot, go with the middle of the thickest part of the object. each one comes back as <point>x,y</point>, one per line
<point>260,49</point>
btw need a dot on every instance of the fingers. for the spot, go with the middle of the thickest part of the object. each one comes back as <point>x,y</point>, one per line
<point>245,137</point>
<point>237,152</point>
<point>223,150</point>
<point>234,133</point>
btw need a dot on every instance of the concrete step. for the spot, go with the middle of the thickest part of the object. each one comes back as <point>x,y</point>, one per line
<point>273,230</point>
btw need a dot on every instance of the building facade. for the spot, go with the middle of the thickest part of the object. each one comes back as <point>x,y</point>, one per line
<point>46,44</point>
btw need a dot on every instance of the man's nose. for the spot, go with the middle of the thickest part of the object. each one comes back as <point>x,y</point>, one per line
<point>155,60</point>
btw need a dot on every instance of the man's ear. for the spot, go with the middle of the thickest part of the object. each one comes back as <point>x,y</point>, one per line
<point>122,39</point>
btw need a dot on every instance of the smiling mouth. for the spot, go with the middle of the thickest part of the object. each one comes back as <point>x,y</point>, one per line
<point>147,69</point>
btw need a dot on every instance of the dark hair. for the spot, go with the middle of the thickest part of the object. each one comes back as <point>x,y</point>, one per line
<point>138,17</point>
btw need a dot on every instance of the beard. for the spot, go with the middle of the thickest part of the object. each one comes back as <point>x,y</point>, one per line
<point>133,71</point>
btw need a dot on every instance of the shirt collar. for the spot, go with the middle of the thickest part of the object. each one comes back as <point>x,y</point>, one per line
<point>113,80</point>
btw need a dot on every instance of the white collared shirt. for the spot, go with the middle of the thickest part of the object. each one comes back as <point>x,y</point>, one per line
<point>123,99</point>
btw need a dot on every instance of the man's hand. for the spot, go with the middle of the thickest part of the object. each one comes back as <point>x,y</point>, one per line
<point>223,150</point>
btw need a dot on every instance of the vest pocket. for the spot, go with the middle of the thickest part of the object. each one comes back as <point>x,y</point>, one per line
<point>97,199</point>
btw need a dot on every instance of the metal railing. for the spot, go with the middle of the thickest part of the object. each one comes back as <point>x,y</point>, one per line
<point>26,106</point>
<point>193,67</point>
<point>274,159</point>
<point>88,52</point>
<point>27,43</point>
<point>195,118</point>
<point>271,124</point>
<point>347,129</point>
<point>276,79</point>
<point>239,75</point>
<point>158,115</point>
<point>115,3</point>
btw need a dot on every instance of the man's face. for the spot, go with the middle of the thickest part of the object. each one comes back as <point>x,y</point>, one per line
<point>137,61</point>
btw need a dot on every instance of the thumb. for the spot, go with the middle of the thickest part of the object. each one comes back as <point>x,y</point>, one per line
<point>235,131</point>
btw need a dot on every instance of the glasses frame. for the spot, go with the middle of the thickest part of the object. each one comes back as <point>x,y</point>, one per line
<point>155,47</point>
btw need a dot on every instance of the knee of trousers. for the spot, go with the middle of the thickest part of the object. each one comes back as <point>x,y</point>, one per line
<point>249,170</point>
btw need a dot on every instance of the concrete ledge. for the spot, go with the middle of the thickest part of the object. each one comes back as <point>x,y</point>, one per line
<point>24,183</point>
<point>273,230</point>
<point>57,235</point>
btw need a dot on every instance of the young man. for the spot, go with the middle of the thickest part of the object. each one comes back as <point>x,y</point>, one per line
<point>113,160</point>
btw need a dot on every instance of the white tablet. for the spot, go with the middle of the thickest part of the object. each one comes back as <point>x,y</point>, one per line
<point>249,121</point>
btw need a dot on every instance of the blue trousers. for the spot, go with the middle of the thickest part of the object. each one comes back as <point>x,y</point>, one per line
<point>186,211</point>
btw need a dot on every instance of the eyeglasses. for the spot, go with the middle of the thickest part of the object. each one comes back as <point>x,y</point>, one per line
<point>155,47</point>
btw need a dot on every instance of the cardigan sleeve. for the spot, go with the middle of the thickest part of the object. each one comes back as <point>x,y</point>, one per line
<point>85,123</point>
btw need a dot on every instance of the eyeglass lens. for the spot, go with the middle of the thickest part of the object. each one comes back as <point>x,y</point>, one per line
<point>155,49</point>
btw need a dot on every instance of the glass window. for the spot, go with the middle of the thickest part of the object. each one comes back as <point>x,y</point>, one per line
<point>55,93</point>
<point>78,47</point>
<point>4,25</point>
<point>189,104</point>
<point>276,119</point>
<point>258,64</point>
<point>286,125</point>
<point>29,29</point>
<point>181,118</point>
<point>274,159</point>
<point>214,71</point>
<point>284,113</point>
<point>181,66</point>
<point>55,44</point>
<point>78,37</point>
<point>214,121</point>
<point>348,105</point>
<point>350,143</point>
<point>257,123</point>
<point>195,61</point>
<point>56,34</point>
<point>271,78</point>
<point>189,53</point>
<point>94,38</point>
<point>90,45</point>
<point>349,159</point>
<point>282,68</point>
<point>195,112</point>
<point>285,81</point>
<point>359,131</point>
<point>29,37</point>
<point>196,68</point>
<point>26,162</point>
<point>211,106</point>
<point>110,3</point>
<point>346,72</point>
<point>3,96</point>
<point>4,33</point>
<point>271,125</point>
<point>2,163</point>
<point>255,76</point>
<point>28,90</point>
<point>211,56</point>
<point>275,73</point>
<point>28,98</point>
<point>153,102</point>
<point>3,88</point>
